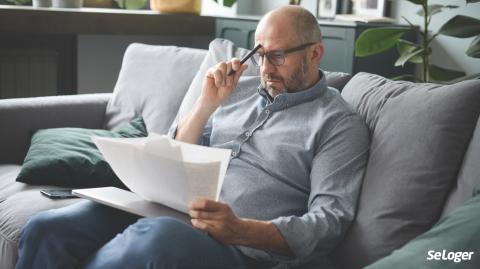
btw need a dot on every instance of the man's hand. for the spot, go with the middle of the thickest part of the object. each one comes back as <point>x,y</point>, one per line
<point>218,220</point>
<point>218,85</point>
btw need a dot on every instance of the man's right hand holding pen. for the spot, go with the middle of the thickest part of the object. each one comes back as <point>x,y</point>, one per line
<point>217,87</point>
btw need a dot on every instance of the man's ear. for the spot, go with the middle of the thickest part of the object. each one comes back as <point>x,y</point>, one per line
<point>317,53</point>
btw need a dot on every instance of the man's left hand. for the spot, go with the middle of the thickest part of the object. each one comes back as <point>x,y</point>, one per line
<point>218,220</point>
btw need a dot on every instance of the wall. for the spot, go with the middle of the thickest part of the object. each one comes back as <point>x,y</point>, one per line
<point>99,57</point>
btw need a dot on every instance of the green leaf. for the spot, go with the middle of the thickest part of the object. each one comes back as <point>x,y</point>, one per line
<point>229,3</point>
<point>416,2</point>
<point>404,57</point>
<point>375,40</point>
<point>442,74</point>
<point>404,46</point>
<point>431,10</point>
<point>474,48</point>
<point>461,26</point>
<point>131,4</point>
<point>20,2</point>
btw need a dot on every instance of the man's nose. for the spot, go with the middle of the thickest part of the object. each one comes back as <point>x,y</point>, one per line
<point>267,67</point>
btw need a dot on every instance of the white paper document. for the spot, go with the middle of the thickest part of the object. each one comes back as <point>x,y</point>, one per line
<point>166,171</point>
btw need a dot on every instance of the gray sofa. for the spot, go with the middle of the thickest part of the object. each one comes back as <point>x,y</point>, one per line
<point>423,162</point>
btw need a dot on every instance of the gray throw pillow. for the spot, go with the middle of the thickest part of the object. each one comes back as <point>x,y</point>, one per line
<point>420,133</point>
<point>151,84</point>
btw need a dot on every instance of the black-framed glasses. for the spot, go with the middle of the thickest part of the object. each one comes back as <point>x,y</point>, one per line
<point>277,57</point>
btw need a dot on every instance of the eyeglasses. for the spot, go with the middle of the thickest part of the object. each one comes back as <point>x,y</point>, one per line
<point>277,57</point>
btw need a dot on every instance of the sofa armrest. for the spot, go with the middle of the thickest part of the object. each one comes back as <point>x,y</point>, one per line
<point>21,117</point>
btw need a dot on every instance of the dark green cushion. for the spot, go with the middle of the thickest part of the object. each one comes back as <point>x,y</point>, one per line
<point>457,232</point>
<point>68,157</point>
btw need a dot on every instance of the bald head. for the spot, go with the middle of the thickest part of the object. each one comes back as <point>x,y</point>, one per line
<point>295,21</point>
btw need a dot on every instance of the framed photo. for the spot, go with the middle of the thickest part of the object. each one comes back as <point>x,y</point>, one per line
<point>327,8</point>
<point>369,7</point>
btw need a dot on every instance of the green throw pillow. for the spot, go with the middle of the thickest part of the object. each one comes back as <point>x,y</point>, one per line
<point>454,242</point>
<point>68,157</point>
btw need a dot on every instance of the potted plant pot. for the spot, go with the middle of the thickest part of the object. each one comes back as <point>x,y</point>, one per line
<point>98,3</point>
<point>67,3</point>
<point>41,3</point>
<point>177,6</point>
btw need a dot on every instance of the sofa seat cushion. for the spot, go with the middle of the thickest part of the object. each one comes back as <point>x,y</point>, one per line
<point>151,84</point>
<point>419,135</point>
<point>8,174</point>
<point>18,202</point>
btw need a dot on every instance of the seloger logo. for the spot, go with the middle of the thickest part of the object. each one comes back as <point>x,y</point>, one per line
<point>455,256</point>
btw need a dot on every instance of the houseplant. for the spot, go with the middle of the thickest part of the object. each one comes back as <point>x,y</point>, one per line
<point>376,40</point>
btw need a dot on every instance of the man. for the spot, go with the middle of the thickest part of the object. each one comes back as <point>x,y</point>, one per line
<point>298,158</point>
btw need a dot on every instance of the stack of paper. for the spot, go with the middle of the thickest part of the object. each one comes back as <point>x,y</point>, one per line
<point>166,171</point>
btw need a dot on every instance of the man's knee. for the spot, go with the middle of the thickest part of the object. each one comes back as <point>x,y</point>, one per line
<point>164,237</point>
<point>39,225</point>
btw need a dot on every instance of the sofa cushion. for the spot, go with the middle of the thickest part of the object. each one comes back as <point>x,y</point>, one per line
<point>223,50</point>
<point>219,50</point>
<point>420,133</point>
<point>15,210</point>
<point>7,173</point>
<point>68,157</point>
<point>151,84</point>
<point>469,175</point>
<point>458,232</point>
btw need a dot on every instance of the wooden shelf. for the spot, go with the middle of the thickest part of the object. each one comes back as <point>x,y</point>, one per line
<point>30,20</point>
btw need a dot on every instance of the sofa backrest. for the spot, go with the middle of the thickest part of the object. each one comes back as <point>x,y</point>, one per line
<point>419,137</point>
<point>152,83</point>
<point>469,174</point>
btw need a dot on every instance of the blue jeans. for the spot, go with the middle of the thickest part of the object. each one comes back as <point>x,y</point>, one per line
<point>90,235</point>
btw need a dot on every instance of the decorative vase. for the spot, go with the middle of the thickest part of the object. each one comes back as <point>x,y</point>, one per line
<point>41,3</point>
<point>67,3</point>
<point>177,6</point>
<point>98,3</point>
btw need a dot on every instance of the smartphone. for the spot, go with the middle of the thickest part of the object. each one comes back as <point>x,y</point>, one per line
<point>58,194</point>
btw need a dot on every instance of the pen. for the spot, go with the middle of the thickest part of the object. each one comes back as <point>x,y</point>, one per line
<point>245,58</point>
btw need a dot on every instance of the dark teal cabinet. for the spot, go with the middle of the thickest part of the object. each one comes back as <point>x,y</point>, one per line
<point>339,41</point>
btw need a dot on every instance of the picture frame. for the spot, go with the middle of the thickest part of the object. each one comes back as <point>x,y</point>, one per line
<point>369,7</point>
<point>327,9</point>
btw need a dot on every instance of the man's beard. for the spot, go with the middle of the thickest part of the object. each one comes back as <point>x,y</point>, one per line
<point>294,83</point>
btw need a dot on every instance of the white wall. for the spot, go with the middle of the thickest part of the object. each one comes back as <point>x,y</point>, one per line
<point>448,52</point>
<point>250,7</point>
